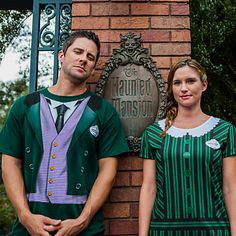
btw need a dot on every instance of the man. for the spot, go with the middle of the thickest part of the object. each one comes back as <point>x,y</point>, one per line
<point>59,148</point>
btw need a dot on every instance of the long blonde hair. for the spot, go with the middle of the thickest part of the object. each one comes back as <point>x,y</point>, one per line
<point>172,106</point>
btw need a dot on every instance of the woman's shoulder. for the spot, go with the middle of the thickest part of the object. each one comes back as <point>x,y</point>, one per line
<point>156,128</point>
<point>224,123</point>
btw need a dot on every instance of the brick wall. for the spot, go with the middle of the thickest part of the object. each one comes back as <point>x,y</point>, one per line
<point>165,29</point>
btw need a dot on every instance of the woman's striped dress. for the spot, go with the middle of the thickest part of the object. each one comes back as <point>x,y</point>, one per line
<point>189,198</point>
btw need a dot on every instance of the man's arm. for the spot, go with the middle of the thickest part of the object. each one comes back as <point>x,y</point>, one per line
<point>96,199</point>
<point>14,185</point>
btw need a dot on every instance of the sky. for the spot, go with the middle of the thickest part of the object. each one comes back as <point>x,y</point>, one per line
<point>9,66</point>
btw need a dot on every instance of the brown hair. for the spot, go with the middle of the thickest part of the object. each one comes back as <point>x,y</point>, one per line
<point>172,106</point>
<point>81,34</point>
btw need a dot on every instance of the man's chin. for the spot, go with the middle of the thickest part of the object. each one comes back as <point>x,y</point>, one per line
<point>78,80</point>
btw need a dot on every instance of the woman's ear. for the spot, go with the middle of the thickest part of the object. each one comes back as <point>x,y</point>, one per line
<point>204,85</point>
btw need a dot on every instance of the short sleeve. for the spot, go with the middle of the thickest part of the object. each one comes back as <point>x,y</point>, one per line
<point>151,142</point>
<point>111,140</point>
<point>230,142</point>
<point>11,133</point>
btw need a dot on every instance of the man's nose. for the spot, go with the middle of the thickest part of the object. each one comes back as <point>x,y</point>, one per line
<point>82,57</point>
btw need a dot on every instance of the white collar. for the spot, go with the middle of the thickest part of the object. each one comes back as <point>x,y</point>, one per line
<point>195,132</point>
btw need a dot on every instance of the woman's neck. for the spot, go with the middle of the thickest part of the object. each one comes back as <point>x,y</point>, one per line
<point>188,119</point>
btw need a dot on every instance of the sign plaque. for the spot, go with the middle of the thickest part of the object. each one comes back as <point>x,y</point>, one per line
<point>132,83</point>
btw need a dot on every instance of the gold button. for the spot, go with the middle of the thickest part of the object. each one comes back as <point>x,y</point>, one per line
<point>51,167</point>
<point>55,144</point>
<point>53,156</point>
<point>50,181</point>
<point>49,194</point>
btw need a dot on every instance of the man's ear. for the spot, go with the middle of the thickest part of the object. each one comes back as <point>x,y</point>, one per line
<point>61,56</point>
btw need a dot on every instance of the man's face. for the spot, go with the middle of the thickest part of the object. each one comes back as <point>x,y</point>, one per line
<point>79,60</point>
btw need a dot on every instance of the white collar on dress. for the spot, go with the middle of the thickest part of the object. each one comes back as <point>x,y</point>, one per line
<point>195,132</point>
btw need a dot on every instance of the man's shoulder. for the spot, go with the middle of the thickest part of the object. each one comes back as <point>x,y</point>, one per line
<point>32,98</point>
<point>97,102</point>
<point>29,99</point>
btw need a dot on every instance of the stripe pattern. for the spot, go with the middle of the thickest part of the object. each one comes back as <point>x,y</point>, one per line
<point>189,197</point>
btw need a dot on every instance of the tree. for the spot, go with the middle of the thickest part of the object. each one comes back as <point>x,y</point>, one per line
<point>213,28</point>
<point>10,25</point>
<point>8,93</point>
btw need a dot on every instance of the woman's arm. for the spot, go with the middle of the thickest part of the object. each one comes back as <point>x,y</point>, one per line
<point>147,196</point>
<point>229,190</point>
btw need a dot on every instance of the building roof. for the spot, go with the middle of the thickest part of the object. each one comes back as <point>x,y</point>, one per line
<point>16,5</point>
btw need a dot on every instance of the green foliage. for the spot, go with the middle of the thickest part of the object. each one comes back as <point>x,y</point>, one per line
<point>8,93</point>
<point>7,212</point>
<point>213,29</point>
<point>10,25</point>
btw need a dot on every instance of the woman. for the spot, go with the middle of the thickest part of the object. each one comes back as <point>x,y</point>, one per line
<point>189,164</point>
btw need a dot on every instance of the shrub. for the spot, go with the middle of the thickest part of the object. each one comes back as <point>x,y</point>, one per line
<point>7,212</point>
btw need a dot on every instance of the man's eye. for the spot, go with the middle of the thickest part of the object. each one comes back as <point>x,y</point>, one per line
<point>78,51</point>
<point>91,58</point>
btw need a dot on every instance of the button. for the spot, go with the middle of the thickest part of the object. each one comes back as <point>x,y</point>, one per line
<point>27,149</point>
<point>186,154</point>
<point>187,172</point>
<point>31,166</point>
<point>78,185</point>
<point>86,153</point>
<point>53,156</point>
<point>52,168</point>
<point>55,144</point>
<point>82,169</point>
<point>190,210</point>
<point>49,194</point>
<point>187,141</point>
<point>189,191</point>
<point>50,181</point>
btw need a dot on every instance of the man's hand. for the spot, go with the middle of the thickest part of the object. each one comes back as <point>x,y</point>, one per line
<point>39,225</point>
<point>71,227</point>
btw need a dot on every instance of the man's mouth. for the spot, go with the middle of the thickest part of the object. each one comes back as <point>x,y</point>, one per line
<point>80,68</point>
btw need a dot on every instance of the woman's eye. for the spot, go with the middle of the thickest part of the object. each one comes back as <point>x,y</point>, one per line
<point>191,81</point>
<point>176,83</point>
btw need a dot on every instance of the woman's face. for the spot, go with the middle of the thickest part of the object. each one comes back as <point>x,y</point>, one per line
<point>187,87</point>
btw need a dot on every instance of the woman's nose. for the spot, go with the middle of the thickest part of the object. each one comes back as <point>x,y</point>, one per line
<point>184,87</point>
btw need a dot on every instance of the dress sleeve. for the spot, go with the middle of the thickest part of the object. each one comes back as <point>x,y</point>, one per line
<point>230,142</point>
<point>11,140</point>
<point>151,142</point>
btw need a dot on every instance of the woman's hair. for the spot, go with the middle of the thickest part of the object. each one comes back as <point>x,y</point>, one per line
<point>172,106</point>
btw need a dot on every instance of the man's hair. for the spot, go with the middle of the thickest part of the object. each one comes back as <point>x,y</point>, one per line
<point>81,34</point>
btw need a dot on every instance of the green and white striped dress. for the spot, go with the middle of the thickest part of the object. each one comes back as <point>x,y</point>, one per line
<point>189,198</point>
